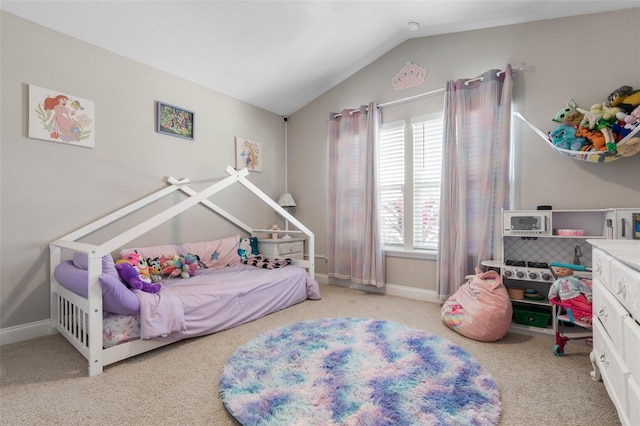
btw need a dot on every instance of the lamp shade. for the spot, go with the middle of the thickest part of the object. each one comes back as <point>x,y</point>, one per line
<point>286,200</point>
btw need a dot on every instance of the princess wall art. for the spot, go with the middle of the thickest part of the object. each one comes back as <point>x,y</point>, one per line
<point>248,154</point>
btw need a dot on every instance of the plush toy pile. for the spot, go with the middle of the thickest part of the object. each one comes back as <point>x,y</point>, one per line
<point>603,127</point>
<point>143,274</point>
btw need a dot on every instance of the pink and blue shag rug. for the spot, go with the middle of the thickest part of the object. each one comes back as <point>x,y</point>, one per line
<point>356,371</point>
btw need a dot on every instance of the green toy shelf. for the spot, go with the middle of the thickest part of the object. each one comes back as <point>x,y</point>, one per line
<point>627,147</point>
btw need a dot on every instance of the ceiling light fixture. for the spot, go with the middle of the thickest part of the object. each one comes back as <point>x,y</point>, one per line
<point>413,26</point>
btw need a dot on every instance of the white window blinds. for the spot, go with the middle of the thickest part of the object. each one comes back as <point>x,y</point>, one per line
<point>411,210</point>
<point>427,171</point>
<point>391,183</point>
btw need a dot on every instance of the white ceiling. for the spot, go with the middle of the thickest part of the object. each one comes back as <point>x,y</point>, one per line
<point>280,55</point>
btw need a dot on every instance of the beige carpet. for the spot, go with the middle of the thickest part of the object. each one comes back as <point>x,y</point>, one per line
<point>44,381</point>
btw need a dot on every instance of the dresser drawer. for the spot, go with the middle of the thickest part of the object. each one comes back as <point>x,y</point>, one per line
<point>614,373</point>
<point>289,248</point>
<point>609,312</point>
<point>625,284</point>
<point>631,336</point>
<point>281,248</point>
<point>601,262</point>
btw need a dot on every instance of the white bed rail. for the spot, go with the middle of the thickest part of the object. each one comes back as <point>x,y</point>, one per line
<point>309,263</point>
<point>79,320</point>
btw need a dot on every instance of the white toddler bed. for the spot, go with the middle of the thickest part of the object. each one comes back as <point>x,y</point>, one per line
<point>99,315</point>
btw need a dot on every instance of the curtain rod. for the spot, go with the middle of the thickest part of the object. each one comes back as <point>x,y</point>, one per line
<point>522,67</point>
<point>396,102</point>
<point>433,92</point>
<point>411,98</point>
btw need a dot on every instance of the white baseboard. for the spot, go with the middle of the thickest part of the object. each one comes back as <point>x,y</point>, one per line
<point>413,293</point>
<point>43,328</point>
<point>23,332</point>
<point>398,290</point>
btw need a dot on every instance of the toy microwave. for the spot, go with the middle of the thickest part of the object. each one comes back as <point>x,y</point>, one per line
<point>526,223</point>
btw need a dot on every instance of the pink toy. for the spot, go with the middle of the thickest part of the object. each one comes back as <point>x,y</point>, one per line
<point>632,120</point>
<point>138,262</point>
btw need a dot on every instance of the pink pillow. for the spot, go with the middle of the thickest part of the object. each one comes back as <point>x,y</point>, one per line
<point>168,250</point>
<point>215,254</point>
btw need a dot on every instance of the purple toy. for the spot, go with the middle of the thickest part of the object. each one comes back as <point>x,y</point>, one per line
<point>130,276</point>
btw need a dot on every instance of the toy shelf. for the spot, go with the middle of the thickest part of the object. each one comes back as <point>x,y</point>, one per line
<point>628,146</point>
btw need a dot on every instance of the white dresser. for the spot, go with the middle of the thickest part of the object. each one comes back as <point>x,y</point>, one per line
<point>292,248</point>
<point>616,329</point>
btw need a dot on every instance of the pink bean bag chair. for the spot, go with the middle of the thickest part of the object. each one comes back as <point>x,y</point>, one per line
<point>480,309</point>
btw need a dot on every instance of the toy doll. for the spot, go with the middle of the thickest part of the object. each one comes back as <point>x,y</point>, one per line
<point>573,293</point>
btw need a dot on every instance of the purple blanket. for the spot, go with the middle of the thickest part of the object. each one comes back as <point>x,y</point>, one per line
<point>215,300</point>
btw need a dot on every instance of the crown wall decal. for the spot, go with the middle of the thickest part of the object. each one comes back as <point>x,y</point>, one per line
<point>410,75</point>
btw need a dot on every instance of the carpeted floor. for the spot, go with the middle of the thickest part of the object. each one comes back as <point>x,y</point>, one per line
<point>356,371</point>
<point>44,381</point>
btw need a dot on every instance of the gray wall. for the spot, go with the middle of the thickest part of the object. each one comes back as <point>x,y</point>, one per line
<point>50,189</point>
<point>571,62</point>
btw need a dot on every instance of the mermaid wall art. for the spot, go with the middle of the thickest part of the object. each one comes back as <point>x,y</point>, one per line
<point>60,117</point>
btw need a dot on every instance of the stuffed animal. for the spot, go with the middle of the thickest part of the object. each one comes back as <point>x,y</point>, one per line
<point>592,117</point>
<point>134,280</point>
<point>625,98</point>
<point>191,264</point>
<point>564,137</point>
<point>155,269</point>
<point>633,119</point>
<point>609,139</point>
<point>137,261</point>
<point>629,123</point>
<point>610,114</point>
<point>569,114</point>
<point>626,123</point>
<point>181,266</point>
<point>594,136</point>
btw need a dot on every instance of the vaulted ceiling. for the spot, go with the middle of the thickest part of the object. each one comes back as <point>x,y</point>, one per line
<point>279,55</point>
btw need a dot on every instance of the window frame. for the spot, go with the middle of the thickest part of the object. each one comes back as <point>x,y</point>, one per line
<point>407,249</point>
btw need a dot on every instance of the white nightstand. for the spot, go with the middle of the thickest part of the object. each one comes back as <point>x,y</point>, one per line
<point>292,248</point>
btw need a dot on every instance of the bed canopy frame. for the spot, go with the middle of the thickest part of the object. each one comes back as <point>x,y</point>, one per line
<point>77,318</point>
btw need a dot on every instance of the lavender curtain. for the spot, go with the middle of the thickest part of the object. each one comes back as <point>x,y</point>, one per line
<point>475,175</point>
<point>354,248</point>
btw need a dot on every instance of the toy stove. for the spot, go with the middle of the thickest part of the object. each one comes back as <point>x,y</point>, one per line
<point>527,271</point>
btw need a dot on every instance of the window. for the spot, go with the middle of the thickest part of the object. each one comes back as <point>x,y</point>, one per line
<point>391,183</point>
<point>410,169</point>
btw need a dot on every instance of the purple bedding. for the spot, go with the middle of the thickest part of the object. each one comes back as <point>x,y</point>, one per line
<point>216,300</point>
<point>211,301</point>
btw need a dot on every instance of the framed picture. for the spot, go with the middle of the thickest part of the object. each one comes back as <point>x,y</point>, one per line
<point>60,117</point>
<point>174,121</point>
<point>248,154</point>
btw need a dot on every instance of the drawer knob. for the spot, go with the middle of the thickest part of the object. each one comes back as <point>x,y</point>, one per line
<point>602,313</point>
<point>603,359</point>
<point>598,268</point>
<point>618,285</point>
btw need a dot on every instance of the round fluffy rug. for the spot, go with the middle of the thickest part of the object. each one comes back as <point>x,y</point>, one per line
<point>356,371</point>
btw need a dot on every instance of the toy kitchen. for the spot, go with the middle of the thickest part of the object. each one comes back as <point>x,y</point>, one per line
<point>533,240</point>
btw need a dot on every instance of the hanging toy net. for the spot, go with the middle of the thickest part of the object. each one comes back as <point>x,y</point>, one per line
<point>626,147</point>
